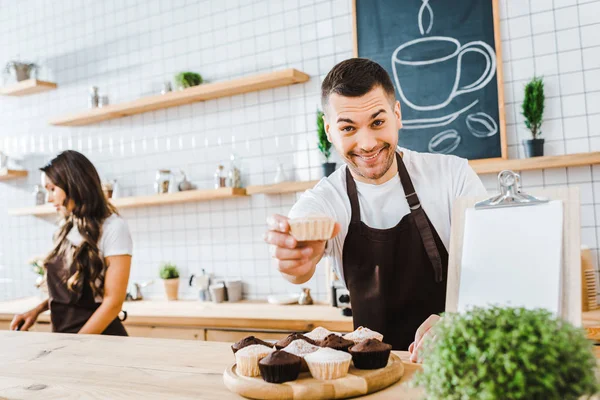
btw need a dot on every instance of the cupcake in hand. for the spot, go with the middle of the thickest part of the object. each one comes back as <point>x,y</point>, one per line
<point>370,354</point>
<point>248,341</point>
<point>292,337</point>
<point>326,363</point>
<point>336,342</point>
<point>312,228</point>
<point>279,367</point>
<point>247,359</point>
<point>361,333</point>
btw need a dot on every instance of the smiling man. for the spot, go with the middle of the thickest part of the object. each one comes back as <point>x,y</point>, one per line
<point>392,208</point>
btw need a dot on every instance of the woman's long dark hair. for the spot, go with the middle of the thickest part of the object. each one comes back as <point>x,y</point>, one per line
<point>76,175</point>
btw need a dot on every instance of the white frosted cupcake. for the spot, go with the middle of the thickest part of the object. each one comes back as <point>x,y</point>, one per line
<point>361,333</point>
<point>319,333</point>
<point>327,363</point>
<point>312,228</point>
<point>247,359</point>
<point>301,348</point>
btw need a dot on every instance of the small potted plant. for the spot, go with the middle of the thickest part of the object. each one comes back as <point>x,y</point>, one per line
<point>37,266</point>
<point>533,111</point>
<point>170,276</point>
<point>187,79</point>
<point>324,145</point>
<point>507,353</point>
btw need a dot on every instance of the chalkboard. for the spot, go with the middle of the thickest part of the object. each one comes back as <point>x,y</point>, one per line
<point>444,59</point>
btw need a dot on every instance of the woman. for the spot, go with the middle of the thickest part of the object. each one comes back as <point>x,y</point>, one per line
<point>88,268</point>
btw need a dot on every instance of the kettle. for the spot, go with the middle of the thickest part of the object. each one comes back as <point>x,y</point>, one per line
<point>201,282</point>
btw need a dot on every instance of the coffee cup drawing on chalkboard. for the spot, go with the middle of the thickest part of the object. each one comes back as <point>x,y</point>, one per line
<point>439,56</point>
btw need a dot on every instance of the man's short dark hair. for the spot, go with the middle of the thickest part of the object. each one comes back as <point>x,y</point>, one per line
<point>356,77</point>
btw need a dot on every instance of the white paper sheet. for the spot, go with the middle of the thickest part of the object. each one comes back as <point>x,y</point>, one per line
<point>512,257</point>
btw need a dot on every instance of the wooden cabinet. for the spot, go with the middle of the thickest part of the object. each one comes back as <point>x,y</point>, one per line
<point>165,332</point>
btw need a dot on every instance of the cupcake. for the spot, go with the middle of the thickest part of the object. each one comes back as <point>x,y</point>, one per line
<point>279,367</point>
<point>336,342</point>
<point>370,354</point>
<point>247,359</point>
<point>318,334</point>
<point>301,348</point>
<point>311,228</point>
<point>292,337</point>
<point>362,333</point>
<point>326,363</point>
<point>248,341</point>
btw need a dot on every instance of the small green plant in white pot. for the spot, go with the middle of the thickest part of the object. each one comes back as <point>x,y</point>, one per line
<point>507,353</point>
<point>324,145</point>
<point>170,276</point>
<point>533,111</point>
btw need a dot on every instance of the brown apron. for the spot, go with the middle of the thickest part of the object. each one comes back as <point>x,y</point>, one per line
<point>69,311</point>
<point>397,276</point>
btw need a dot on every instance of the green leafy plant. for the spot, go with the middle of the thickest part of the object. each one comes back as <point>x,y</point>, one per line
<point>533,106</point>
<point>37,265</point>
<point>188,79</point>
<point>169,271</point>
<point>507,353</point>
<point>324,144</point>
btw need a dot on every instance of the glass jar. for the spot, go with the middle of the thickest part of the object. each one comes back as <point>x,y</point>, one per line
<point>163,177</point>
<point>234,177</point>
<point>39,195</point>
<point>220,180</point>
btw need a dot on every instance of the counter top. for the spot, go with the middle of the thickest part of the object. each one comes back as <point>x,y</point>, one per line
<point>59,366</point>
<point>191,313</point>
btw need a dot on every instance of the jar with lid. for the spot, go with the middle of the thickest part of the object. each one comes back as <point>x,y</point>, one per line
<point>163,178</point>
<point>234,177</point>
<point>220,179</point>
<point>39,195</point>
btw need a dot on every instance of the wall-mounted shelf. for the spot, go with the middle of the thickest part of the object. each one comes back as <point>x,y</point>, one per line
<point>281,188</point>
<point>525,164</point>
<point>144,201</point>
<point>194,94</point>
<point>24,88</point>
<point>9,174</point>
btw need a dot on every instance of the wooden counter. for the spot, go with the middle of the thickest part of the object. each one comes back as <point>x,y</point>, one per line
<point>60,366</point>
<point>158,318</point>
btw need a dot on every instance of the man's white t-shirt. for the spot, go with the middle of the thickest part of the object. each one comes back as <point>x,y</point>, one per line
<point>115,239</point>
<point>438,180</point>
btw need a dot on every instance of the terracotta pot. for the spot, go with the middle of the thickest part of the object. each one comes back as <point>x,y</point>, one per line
<point>171,288</point>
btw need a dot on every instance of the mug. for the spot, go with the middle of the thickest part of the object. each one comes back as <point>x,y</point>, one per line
<point>438,56</point>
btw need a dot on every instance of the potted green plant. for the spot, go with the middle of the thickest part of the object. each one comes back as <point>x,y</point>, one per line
<point>170,276</point>
<point>324,145</point>
<point>187,79</point>
<point>506,353</point>
<point>533,111</point>
<point>37,266</point>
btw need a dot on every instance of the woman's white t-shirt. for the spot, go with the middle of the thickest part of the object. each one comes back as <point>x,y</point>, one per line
<point>115,239</point>
<point>438,180</point>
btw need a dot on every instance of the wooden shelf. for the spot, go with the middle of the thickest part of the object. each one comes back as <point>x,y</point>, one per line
<point>525,164</point>
<point>9,174</point>
<point>194,94</point>
<point>280,188</point>
<point>144,201</point>
<point>24,88</point>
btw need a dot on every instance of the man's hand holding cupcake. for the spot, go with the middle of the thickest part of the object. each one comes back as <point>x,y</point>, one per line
<point>299,244</point>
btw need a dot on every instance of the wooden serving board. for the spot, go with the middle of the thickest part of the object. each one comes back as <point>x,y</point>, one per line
<point>358,382</point>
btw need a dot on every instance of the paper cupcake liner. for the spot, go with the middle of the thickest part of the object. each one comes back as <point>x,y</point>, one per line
<point>248,366</point>
<point>305,229</point>
<point>329,370</point>
<point>370,359</point>
<point>280,373</point>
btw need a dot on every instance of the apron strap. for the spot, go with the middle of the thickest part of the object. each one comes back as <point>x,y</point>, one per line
<point>353,196</point>
<point>420,219</point>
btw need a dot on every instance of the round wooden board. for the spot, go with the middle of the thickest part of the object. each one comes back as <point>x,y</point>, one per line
<point>357,383</point>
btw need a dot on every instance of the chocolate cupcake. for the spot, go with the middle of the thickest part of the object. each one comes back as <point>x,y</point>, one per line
<point>248,341</point>
<point>370,354</point>
<point>280,366</point>
<point>290,338</point>
<point>336,342</point>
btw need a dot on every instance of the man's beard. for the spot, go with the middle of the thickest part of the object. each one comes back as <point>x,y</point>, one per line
<point>377,171</point>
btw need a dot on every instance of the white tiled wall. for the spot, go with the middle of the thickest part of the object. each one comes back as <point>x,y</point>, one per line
<point>128,48</point>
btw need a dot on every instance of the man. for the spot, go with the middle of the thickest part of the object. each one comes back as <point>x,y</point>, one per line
<point>392,208</point>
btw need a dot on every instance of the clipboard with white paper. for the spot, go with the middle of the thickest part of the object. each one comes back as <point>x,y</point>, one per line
<point>517,250</point>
